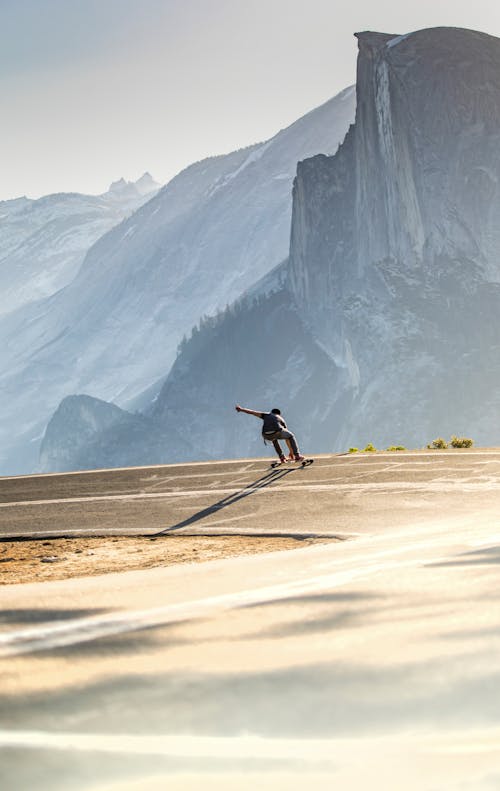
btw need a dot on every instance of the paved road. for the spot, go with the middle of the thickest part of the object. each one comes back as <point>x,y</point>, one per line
<point>337,494</point>
<point>369,663</point>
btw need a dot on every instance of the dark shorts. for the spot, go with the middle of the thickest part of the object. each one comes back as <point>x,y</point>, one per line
<point>273,435</point>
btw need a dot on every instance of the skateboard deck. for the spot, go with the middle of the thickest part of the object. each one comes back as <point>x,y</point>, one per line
<point>304,463</point>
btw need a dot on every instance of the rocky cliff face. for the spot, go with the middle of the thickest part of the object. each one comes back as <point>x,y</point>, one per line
<point>395,241</point>
<point>385,323</point>
<point>87,433</point>
<point>394,262</point>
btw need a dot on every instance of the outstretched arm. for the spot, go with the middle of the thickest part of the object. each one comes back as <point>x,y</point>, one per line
<point>248,411</point>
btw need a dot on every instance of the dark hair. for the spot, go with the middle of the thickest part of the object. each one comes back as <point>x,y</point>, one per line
<point>276,411</point>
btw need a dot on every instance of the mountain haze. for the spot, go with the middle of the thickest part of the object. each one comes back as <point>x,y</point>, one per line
<point>86,433</point>
<point>113,332</point>
<point>43,242</point>
<point>386,327</point>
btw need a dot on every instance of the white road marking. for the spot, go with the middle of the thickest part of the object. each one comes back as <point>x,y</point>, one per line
<point>414,486</point>
<point>112,470</point>
<point>470,742</point>
<point>83,630</point>
<point>173,745</point>
<point>350,459</point>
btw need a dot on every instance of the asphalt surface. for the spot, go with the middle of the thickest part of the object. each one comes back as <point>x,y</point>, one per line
<point>367,663</point>
<point>340,494</point>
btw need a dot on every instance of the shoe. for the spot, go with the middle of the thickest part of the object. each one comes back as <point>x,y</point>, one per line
<point>283,460</point>
<point>298,457</point>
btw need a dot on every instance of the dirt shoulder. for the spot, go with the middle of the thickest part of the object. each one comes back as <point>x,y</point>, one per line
<point>64,558</point>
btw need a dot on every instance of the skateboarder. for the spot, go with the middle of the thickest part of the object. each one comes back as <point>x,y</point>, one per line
<point>273,429</point>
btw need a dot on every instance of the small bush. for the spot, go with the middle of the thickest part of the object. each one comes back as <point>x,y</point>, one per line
<point>461,442</point>
<point>397,447</point>
<point>438,444</point>
<point>353,450</point>
<point>369,448</point>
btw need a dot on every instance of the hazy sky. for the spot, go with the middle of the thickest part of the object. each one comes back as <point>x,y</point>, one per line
<point>92,90</point>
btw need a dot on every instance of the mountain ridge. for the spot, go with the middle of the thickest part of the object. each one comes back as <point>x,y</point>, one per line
<point>43,241</point>
<point>201,241</point>
<point>391,292</point>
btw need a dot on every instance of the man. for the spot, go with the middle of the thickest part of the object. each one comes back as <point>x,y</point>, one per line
<point>274,428</point>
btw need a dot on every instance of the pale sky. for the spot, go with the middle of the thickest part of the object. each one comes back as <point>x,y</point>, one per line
<point>93,90</point>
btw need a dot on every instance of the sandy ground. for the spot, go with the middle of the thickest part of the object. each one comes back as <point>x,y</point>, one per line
<point>63,558</point>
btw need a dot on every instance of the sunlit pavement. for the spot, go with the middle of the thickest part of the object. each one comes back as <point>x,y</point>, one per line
<point>372,662</point>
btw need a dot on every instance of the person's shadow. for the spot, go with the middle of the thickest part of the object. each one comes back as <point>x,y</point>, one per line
<point>260,483</point>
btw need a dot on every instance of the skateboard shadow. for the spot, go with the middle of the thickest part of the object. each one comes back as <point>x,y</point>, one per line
<point>231,499</point>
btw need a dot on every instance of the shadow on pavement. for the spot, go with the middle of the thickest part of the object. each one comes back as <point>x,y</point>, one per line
<point>310,598</point>
<point>231,499</point>
<point>355,607</point>
<point>303,626</point>
<point>45,616</point>
<point>321,700</point>
<point>479,557</point>
<point>139,640</point>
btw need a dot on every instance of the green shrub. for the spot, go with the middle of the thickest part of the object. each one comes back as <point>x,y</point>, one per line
<point>353,450</point>
<point>438,444</point>
<point>397,447</point>
<point>461,442</point>
<point>369,448</point>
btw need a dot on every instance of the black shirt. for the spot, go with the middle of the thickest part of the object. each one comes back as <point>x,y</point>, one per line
<point>272,422</point>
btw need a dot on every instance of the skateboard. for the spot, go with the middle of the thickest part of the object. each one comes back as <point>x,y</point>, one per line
<point>304,463</point>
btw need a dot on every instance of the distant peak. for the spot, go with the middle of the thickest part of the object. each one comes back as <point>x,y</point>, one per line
<point>146,184</point>
<point>119,186</point>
